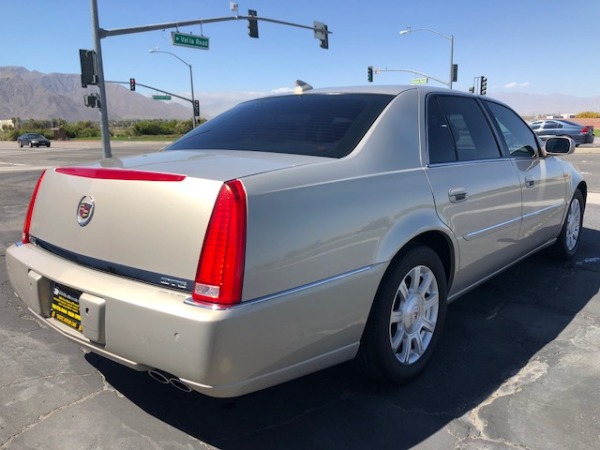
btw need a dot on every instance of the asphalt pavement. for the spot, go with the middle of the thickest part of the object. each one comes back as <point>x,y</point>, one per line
<point>518,368</point>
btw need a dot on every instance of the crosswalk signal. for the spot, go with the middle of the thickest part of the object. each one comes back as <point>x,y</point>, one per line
<point>252,24</point>
<point>370,74</point>
<point>132,84</point>
<point>483,86</point>
<point>91,101</point>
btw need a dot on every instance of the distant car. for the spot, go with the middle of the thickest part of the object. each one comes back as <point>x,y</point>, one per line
<point>295,232</point>
<point>581,134</point>
<point>33,140</point>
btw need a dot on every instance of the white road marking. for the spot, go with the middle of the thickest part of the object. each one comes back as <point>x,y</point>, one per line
<point>593,198</point>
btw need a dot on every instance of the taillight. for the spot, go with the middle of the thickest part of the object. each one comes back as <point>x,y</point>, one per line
<point>220,270</point>
<point>118,174</point>
<point>27,224</point>
<point>584,130</point>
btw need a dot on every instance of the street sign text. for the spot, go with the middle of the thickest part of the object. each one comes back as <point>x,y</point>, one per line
<point>189,40</point>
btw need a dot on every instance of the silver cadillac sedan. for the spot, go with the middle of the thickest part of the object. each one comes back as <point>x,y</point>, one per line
<point>293,233</point>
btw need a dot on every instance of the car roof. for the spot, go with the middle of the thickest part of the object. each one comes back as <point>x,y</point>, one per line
<point>378,89</point>
<point>395,90</point>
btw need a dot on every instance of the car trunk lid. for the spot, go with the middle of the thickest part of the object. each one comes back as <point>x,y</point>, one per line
<point>143,217</point>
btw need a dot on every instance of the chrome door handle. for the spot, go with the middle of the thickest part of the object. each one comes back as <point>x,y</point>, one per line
<point>529,181</point>
<point>457,195</point>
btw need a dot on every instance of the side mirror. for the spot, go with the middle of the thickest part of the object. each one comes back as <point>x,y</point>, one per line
<point>558,145</point>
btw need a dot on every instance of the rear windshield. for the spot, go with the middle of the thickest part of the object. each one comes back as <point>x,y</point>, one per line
<point>329,125</point>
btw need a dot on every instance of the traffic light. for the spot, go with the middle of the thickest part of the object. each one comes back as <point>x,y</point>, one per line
<point>454,73</point>
<point>196,108</point>
<point>483,86</point>
<point>89,75</point>
<point>252,24</point>
<point>370,74</point>
<point>321,34</point>
<point>132,84</point>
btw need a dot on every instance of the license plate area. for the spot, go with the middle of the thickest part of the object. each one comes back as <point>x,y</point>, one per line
<point>65,306</point>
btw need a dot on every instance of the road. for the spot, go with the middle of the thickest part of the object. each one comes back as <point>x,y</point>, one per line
<point>518,366</point>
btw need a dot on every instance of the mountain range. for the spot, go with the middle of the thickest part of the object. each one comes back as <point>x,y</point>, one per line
<point>530,105</point>
<point>30,94</point>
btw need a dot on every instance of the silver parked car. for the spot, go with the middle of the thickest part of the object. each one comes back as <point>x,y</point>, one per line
<point>581,134</point>
<point>293,233</point>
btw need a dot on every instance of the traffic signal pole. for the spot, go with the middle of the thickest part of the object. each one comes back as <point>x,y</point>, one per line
<point>104,132</point>
<point>320,32</point>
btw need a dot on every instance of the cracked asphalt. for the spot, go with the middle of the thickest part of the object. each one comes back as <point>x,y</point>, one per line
<point>518,368</point>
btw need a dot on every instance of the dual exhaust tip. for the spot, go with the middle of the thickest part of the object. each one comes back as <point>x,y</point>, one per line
<point>166,378</point>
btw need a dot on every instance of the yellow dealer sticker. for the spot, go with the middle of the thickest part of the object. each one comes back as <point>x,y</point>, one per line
<point>65,306</point>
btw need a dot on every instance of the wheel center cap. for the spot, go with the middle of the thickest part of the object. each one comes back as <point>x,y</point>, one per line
<point>412,312</point>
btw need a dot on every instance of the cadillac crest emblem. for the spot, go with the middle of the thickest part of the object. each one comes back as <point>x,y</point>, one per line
<point>85,210</point>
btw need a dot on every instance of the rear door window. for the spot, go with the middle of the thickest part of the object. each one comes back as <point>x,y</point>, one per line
<point>458,130</point>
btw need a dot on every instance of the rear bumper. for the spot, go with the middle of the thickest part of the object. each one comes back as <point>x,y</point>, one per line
<point>218,352</point>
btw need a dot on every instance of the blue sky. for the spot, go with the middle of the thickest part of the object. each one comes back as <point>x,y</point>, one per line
<point>532,46</point>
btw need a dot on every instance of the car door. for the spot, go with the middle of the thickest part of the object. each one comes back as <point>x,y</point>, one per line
<point>476,189</point>
<point>543,184</point>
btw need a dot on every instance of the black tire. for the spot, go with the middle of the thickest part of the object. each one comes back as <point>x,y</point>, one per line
<point>20,144</point>
<point>404,326</point>
<point>48,145</point>
<point>570,234</point>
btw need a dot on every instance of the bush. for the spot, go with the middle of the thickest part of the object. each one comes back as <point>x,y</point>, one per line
<point>82,129</point>
<point>88,129</point>
<point>14,134</point>
<point>588,115</point>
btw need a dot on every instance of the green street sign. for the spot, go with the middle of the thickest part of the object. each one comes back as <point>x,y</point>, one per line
<point>161,97</point>
<point>189,40</point>
<point>420,81</point>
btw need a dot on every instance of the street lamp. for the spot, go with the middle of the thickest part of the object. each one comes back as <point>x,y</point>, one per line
<point>450,38</point>
<point>156,50</point>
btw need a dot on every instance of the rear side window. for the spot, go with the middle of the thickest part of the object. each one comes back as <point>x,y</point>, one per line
<point>309,124</point>
<point>458,130</point>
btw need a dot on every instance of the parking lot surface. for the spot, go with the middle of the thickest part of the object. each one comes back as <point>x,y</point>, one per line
<point>518,367</point>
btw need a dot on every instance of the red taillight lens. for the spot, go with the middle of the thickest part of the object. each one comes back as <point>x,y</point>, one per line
<point>118,174</point>
<point>27,224</point>
<point>585,130</point>
<point>221,267</point>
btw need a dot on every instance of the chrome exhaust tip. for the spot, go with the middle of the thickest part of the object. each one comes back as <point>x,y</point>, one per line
<point>165,378</point>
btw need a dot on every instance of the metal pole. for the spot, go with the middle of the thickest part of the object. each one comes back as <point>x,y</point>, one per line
<point>451,60</point>
<point>193,99</point>
<point>450,38</point>
<point>104,132</point>
<point>156,50</point>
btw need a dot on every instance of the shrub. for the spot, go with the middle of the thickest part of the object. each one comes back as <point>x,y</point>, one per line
<point>588,115</point>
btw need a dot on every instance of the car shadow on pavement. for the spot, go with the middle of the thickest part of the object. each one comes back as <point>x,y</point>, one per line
<point>491,334</point>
